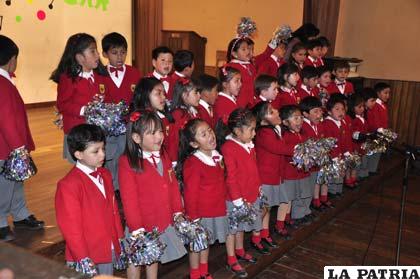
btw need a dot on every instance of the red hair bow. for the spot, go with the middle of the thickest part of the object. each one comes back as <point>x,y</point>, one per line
<point>135,116</point>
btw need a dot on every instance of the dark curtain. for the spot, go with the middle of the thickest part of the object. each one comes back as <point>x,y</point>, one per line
<point>147,27</point>
<point>324,14</point>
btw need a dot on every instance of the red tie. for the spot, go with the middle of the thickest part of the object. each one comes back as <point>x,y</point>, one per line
<point>116,70</point>
<point>164,79</point>
<point>97,174</point>
<point>216,159</point>
<point>154,157</point>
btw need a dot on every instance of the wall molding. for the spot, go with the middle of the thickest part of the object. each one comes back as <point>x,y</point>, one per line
<point>40,105</point>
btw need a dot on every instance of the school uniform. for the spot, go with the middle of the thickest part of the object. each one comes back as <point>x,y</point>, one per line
<point>263,56</point>
<point>173,79</point>
<point>344,87</point>
<point>166,82</point>
<point>348,139</point>
<point>181,117</point>
<point>205,192</point>
<point>298,180</point>
<point>286,96</point>
<point>359,125</point>
<point>271,149</point>
<point>166,127</point>
<point>242,179</point>
<point>248,75</point>
<point>314,62</point>
<point>270,66</point>
<point>377,117</point>
<point>223,107</point>
<point>335,129</point>
<point>205,112</point>
<point>150,199</point>
<point>14,133</point>
<point>87,215</point>
<point>121,84</point>
<point>72,98</point>
<point>303,91</point>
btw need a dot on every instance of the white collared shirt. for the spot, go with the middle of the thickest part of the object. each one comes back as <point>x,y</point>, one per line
<point>6,74</point>
<point>264,99</point>
<point>361,118</point>
<point>117,80</point>
<point>148,156</point>
<point>277,129</point>
<point>336,122</point>
<point>88,75</point>
<point>313,126</point>
<point>232,98</point>
<point>305,88</point>
<point>379,102</point>
<point>161,115</point>
<point>240,62</point>
<point>192,111</point>
<point>341,86</point>
<point>206,106</point>
<point>179,74</point>
<point>247,146</point>
<point>86,170</point>
<point>209,160</point>
<point>313,60</point>
<point>275,59</point>
<point>164,82</point>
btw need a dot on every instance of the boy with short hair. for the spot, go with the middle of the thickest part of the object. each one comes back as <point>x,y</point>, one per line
<point>86,208</point>
<point>207,87</point>
<point>314,57</point>
<point>120,87</point>
<point>266,88</point>
<point>162,60</point>
<point>15,134</point>
<point>184,68</point>
<point>340,84</point>
<point>308,87</point>
<point>325,45</point>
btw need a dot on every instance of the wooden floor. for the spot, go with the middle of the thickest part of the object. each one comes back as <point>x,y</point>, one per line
<point>327,241</point>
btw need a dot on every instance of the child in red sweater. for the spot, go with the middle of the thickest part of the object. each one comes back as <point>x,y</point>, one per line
<point>288,77</point>
<point>207,87</point>
<point>298,55</point>
<point>314,57</point>
<point>162,60</point>
<point>267,89</point>
<point>149,188</point>
<point>309,85</point>
<point>85,205</point>
<point>271,149</point>
<point>230,85</point>
<point>183,66</point>
<point>200,167</point>
<point>341,71</point>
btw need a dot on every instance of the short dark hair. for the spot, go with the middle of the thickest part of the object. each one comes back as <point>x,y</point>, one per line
<point>263,82</point>
<point>368,93</point>
<point>81,135</point>
<point>311,44</point>
<point>323,69</point>
<point>286,69</point>
<point>182,59</point>
<point>333,100</point>
<point>159,50</point>
<point>381,86</point>
<point>309,72</point>
<point>8,49</point>
<point>324,41</point>
<point>341,64</point>
<point>113,40</point>
<point>206,82</point>
<point>309,103</point>
<point>287,111</point>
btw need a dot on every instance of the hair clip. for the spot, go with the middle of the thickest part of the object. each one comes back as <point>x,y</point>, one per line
<point>224,72</point>
<point>135,116</point>
<point>184,81</point>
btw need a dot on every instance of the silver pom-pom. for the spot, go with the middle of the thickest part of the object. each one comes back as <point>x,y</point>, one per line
<point>85,266</point>
<point>331,171</point>
<point>122,261</point>
<point>282,34</point>
<point>384,138</point>
<point>108,116</point>
<point>245,213</point>
<point>246,27</point>
<point>352,161</point>
<point>312,153</point>
<point>263,200</point>
<point>192,233</point>
<point>144,248</point>
<point>19,166</point>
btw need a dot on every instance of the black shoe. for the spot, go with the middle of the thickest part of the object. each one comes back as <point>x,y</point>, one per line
<point>331,196</point>
<point>269,242</point>
<point>30,223</point>
<point>312,217</point>
<point>6,234</point>
<point>241,273</point>
<point>305,221</point>
<point>373,173</point>
<point>245,259</point>
<point>294,224</point>
<point>261,249</point>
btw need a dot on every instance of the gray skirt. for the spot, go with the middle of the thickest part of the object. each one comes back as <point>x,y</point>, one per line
<point>174,246</point>
<point>276,194</point>
<point>245,227</point>
<point>299,188</point>
<point>218,228</point>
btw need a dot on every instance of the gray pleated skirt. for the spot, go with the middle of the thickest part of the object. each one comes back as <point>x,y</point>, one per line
<point>174,246</point>
<point>218,228</point>
<point>276,194</point>
<point>299,188</point>
<point>245,227</point>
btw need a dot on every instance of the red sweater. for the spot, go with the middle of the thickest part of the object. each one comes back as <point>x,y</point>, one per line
<point>270,66</point>
<point>262,57</point>
<point>173,79</point>
<point>149,200</point>
<point>346,90</point>
<point>72,96</point>
<point>248,75</point>
<point>223,107</point>
<point>362,127</point>
<point>125,92</point>
<point>285,98</point>
<point>332,130</point>
<point>377,117</point>
<point>271,149</point>
<point>302,92</point>
<point>204,189</point>
<point>316,63</point>
<point>290,171</point>
<point>181,117</point>
<point>14,127</point>
<point>243,180</point>
<point>348,139</point>
<point>204,114</point>
<point>88,221</point>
